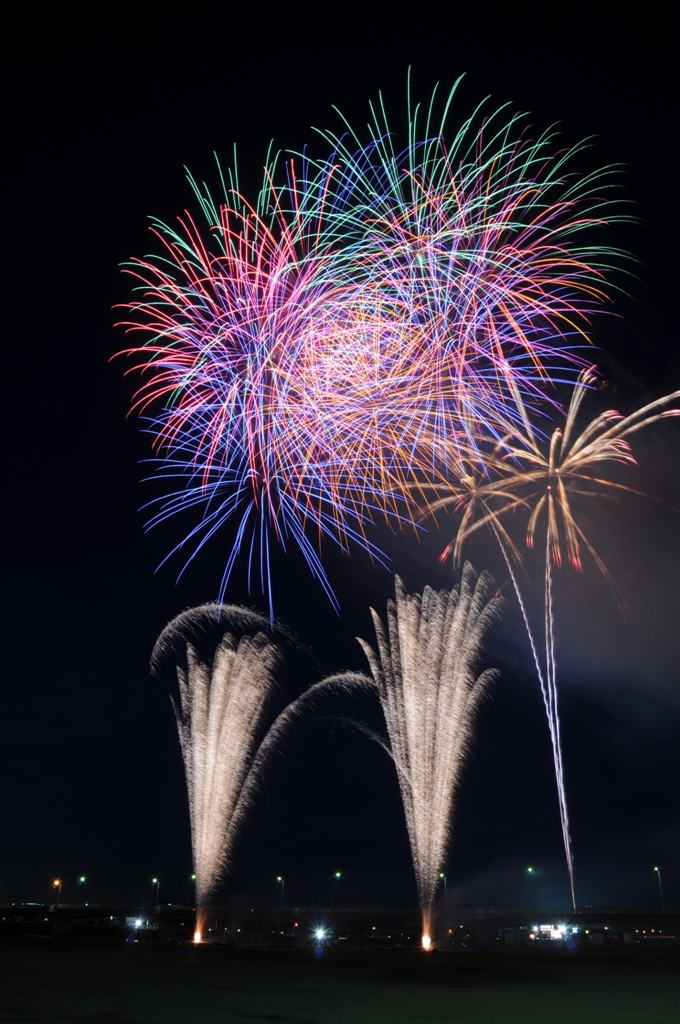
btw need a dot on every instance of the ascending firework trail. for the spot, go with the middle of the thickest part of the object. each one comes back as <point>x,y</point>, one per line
<point>426,670</point>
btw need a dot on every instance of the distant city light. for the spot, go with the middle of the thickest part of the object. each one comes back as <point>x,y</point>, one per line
<point>320,933</point>
<point>138,923</point>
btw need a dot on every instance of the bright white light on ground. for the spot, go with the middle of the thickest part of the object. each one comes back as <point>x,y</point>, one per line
<point>320,933</point>
<point>138,923</point>
<point>197,936</point>
<point>427,941</point>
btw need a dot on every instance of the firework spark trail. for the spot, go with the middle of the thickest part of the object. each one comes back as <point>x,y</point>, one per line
<point>305,707</point>
<point>220,712</point>
<point>548,684</point>
<point>427,674</point>
<point>568,466</point>
<point>322,348</point>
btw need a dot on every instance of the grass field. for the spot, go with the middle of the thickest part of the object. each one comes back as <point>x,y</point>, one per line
<point>99,983</point>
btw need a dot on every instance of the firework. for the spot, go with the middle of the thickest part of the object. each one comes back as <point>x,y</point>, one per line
<point>226,659</point>
<point>478,239</point>
<point>361,327</point>
<point>222,705</point>
<point>237,325</point>
<point>427,674</point>
<point>544,480</point>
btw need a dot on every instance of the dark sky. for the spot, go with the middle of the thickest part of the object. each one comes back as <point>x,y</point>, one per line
<point>100,118</point>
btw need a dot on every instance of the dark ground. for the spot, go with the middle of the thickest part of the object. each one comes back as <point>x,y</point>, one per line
<point>84,983</point>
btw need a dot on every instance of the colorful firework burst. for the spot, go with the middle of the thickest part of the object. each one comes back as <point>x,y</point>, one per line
<point>235,323</point>
<point>482,249</point>
<point>366,324</point>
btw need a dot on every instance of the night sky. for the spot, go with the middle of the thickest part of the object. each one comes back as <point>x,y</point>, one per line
<point>101,117</point>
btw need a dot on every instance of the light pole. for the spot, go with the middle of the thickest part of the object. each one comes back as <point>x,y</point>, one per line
<point>192,878</point>
<point>281,879</point>
<point>156,882</point>
<point>658,875</point>
<point>56,884</point>
<point>82,879</point>
<point>336,875</point>
<point>442,874</point>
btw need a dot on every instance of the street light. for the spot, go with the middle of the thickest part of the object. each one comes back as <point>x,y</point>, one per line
<point>281,879</point>
<point>658,875</point>
<point>530,871</point>
<point>192,878</point>
<point>443,875</point>
<point>56,884</point>
<point>156,882</point>
<point>82,880</point>
<point>336,875</point>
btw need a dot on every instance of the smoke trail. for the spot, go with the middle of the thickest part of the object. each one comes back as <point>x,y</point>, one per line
<point>426,671</point>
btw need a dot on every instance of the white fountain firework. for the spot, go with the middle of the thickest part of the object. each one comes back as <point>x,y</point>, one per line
<point>427,674</point>
<point>221,715</point>
<point>222,706</point>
